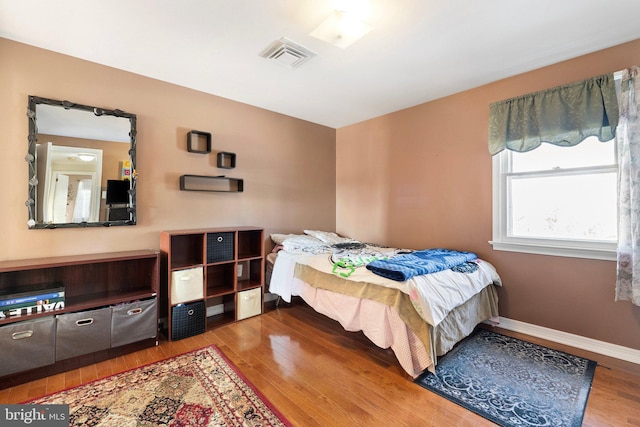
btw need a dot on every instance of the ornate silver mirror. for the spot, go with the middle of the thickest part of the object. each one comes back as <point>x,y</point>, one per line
<point>82,165</point>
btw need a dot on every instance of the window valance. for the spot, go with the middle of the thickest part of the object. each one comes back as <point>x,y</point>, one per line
<point>564,115</point>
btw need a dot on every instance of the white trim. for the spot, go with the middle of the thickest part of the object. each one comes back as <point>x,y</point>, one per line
<point>577,341</point>
<point>573,252</point>
<point>502,241</point>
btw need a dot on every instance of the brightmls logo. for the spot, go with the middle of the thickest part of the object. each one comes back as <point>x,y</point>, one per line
<point>34,415</point>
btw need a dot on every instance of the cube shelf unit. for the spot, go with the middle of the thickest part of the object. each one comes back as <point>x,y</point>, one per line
<point>103,282</point>
<point>232,262</point>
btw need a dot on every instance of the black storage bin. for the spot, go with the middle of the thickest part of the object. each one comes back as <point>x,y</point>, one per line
<point>219,247</point>
<point>188,319</point>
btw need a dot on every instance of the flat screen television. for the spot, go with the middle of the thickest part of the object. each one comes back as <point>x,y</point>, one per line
<point>118,191</point>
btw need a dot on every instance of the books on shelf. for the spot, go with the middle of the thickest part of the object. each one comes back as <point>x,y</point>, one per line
<point>29,299</point>
<point>16,302</point>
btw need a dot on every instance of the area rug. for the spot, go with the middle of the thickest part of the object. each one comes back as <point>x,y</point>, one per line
<point>199,388</point>
<point>513,382</point>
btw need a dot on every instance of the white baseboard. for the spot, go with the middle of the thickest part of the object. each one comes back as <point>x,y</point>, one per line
<point>577,341</point>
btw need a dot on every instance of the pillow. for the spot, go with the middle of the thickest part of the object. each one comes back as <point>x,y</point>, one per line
<point>302,243</point>
<point>279,238</point>
<point>328,237</point>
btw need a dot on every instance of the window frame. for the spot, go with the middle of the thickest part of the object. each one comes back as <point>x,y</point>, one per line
<point>501,171</point>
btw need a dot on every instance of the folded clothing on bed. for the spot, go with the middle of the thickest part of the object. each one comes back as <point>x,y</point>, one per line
<point>403,267</point>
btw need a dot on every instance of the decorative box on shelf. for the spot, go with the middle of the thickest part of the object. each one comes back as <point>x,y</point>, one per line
<point>219,247</point>
<point>188,320</point>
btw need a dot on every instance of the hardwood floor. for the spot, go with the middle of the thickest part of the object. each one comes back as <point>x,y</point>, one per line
<point>317,374</point>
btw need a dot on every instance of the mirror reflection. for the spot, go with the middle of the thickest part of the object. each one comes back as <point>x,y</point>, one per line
<point>81,165</point>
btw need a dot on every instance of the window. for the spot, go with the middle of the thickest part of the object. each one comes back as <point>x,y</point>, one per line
<point>557,200</point>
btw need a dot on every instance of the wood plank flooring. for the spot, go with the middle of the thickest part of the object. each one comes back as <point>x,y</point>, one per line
<point>317,374</point>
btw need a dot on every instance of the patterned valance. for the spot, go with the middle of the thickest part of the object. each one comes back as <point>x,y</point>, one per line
<point>564,115</point>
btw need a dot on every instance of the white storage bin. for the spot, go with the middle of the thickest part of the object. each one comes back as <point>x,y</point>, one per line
<point>249,303</point>
<point>187,285</point>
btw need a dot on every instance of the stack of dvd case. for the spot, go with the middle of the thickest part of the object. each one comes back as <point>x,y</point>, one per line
<point>25,301</point>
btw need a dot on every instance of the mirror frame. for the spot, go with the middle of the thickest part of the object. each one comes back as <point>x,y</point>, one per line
<point>31,160</point>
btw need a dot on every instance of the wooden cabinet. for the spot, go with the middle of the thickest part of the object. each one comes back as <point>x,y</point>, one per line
<point>214,267</point>
<point>104,283</point>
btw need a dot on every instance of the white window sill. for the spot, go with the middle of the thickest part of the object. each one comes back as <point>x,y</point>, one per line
<point>607,254</point>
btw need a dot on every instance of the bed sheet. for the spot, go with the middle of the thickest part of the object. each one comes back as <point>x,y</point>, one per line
<point>382,324</point>
<point>432,296</point>
<point>416,344</point>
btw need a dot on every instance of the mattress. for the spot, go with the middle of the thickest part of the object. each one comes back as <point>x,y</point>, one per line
<point>384,311</point>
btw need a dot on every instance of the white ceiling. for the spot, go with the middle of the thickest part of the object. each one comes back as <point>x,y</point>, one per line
<point>418,50</point>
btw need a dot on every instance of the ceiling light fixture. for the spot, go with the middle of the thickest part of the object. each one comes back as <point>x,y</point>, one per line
<point>345,25</point>
<point>85,157</point>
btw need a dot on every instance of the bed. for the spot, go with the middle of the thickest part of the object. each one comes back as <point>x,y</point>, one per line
<point>419,316</point>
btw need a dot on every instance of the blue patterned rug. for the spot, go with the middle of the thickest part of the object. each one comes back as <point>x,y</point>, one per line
<point>513,382</point>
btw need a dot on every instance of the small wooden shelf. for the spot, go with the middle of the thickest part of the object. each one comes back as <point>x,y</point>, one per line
<point>246,285</point>
<point>199,142</point>
<point>219,292</point>
<point>226,160</point>
<point>232,261</point>
<point>187,251</point>
<point>211,183</point>
<point>246,244</point>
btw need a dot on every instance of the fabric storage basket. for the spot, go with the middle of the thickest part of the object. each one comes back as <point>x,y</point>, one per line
<point>188,319</point>
<point>83,332</point>
<point>187,285</point>
<point>219,247</point>
<point>27,345</point>
<point>249,303</point>
<point>134,321</point>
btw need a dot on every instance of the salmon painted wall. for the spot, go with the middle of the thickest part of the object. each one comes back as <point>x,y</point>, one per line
<point>288,165</point>
<point>421,178</point>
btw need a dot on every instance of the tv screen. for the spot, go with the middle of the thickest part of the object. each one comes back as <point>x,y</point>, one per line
<point>118,191</point>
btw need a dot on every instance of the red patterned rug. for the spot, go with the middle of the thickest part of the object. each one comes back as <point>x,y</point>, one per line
<point>199,388</point>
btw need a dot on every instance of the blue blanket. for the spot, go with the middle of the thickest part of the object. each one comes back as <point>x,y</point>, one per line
<point>403,267</point>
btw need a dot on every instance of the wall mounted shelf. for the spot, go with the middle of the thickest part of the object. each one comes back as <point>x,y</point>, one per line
<point>199,142</point>
<point>211,183</point>
<point>226,160</point>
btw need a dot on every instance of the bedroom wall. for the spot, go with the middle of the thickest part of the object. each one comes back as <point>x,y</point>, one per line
<point>421,177</point>
<point>288,165</point>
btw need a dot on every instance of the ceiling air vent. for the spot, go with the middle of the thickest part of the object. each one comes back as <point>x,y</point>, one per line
<point>287,53</point>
